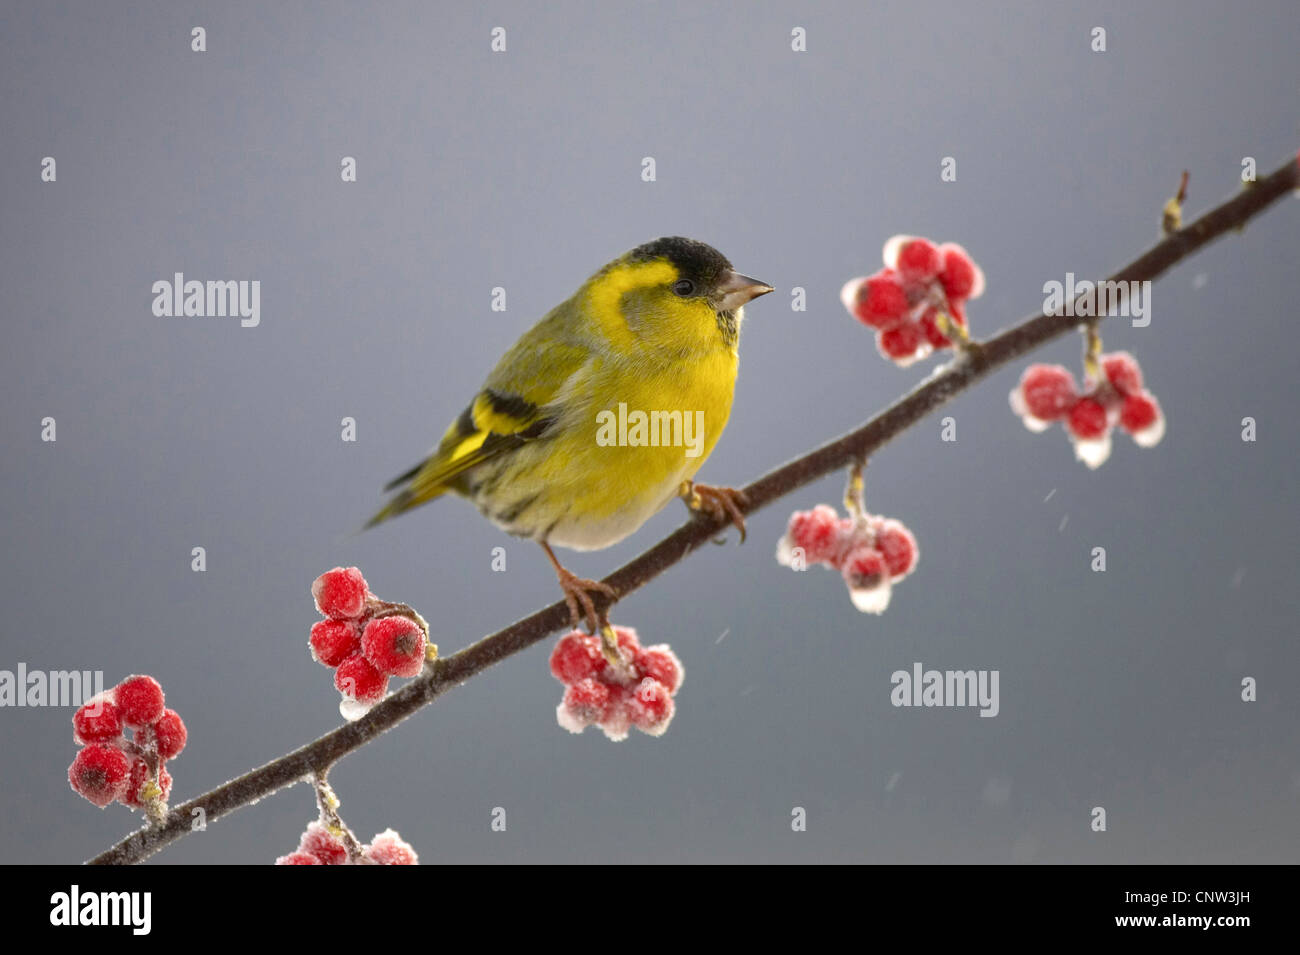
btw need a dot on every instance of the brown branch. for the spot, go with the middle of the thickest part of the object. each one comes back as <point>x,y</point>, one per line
<point>978,360</point>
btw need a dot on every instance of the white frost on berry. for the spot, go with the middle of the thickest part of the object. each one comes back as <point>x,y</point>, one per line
<point>872,599</point>
<point>1093,452</point>
<point>894,245</point>
<point>849,293</point>
<point>1150,436</point>
<point>1018,405</point>
<point>352,710</point>
<point>569,720</point>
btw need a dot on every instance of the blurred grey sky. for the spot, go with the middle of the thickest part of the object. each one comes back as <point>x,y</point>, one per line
<point>522,170</point>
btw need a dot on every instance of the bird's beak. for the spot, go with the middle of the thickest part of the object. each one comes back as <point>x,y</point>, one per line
<point>735,290</point>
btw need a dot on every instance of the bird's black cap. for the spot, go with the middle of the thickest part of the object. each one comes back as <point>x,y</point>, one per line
<point>701,263</point>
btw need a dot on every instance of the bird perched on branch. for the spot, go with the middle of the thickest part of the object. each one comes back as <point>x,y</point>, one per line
<point>602,412</point>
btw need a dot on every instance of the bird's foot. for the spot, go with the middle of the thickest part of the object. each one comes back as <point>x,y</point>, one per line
<point>578,594</point>
<point>719,503</point>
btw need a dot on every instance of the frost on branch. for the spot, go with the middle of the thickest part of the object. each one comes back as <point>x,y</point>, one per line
<point>637,691</point>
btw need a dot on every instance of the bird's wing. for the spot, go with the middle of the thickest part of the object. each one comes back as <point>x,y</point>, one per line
<point>517,404</point>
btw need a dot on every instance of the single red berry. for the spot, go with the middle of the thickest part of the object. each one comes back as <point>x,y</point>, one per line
<point>132,796</point>
<point>140,699</point>
<point>388,848</point>
<point>99,773</point>
<point>817,532</point>
<point>170,733</point>
<point>358,680</point>
<point>880,299</point>
<point>323,844</point>
<point>1087,419</point>
<point>333,641</point>
<point>918,260</point>
<point>340,593</point>
<point>661,664</point>
<point>864,568</point>
<point>900,341</point>
<point>588,700</point>
<point>97,720</point>
<point>651,707</point>
<point>576,657</point>
<point>1123,372</point>
<point>298,858</point>
<point>1139,412</point>
<point>394,645</point>
<point>959,275</point>
<point>897,546</point>
<point>1048,391</point>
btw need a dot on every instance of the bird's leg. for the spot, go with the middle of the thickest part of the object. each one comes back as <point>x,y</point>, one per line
<point>577,593</point>
<point>720,503</point>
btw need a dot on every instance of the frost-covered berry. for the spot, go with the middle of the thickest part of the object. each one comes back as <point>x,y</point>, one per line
<point>576,657</point>
<point>661,664</point>
<point>170,733</point>
<point>99,773</point>
<point>140,700</point>
<point>816,532</point>
<point>917,259</point>
<point>340,593</point>
<point>323,844</point>
<point>298,858</point>
<point>877,300</point>
<point>388,848</point>
<point>394,645</point>
<point>97,720</point>
<point>900,342</point>
<point>1045,393</point>
<point>1087,419</point>
<point>1141,417</point>
<point>358,680</point>
<point>898,548</point>
<point>333,641</point>
<point>650,707</point>
<point>960,276</point>
<point>1123,372</point>
<point>585,702</point>
<point>867,576</point>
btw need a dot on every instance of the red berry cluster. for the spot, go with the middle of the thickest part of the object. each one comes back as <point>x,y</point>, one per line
<point>1046,393</point>
<point>872,553</point>
<point>362,640</point>
<point>903,301</point>
<point>320,846</point>
<point>639,692</point>
<point>111,767</point>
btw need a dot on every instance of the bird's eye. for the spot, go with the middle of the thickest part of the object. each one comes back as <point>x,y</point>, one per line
<point>683,288</point>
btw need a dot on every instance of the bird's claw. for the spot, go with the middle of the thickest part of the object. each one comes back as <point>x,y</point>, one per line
<point>577,594</point>
<point>719,503</point>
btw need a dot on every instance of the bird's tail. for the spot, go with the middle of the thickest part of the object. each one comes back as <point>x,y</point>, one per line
<point>409,497</point>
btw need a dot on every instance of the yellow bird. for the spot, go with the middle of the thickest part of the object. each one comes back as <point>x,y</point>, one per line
<point>602,412</point>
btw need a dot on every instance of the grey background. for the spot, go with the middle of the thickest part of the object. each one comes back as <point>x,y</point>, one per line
<point>522,170</point>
